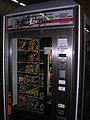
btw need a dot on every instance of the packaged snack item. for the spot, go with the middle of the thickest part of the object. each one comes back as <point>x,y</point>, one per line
<point>42,79</point>
<point>36,68</point>
<point>31,45</point>
<point>30,102</point>
<point>20,79</point>
<point>36,46</point>
<point>41,95</point>
<point>50,56</point>
<point>27,68</point>
<point>21,44</point>
<point>22,100</point>
<point>33,91</point>
<point>24,79</point>
<point>36,105</point>
<point>31,58</point>
<point>36,57</point>
<point>22,89</point>
<point>42,107</point>
<point>31,68</point>
<point>36,81</point>
<point>30,80</point>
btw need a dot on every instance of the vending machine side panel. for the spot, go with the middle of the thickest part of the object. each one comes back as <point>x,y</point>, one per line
<point>5,67</point>
<point>86,95</point>
<point>1,68</point>
<point>80,65</point>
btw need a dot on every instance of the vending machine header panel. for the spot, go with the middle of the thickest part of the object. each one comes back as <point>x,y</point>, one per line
<point>42,19</point>
<point>44,6</point>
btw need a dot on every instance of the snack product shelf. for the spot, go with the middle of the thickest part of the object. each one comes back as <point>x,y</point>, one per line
<point>28,62</point>
<point>27,73</point>
<point>30,94</point>
<point>28,84</point>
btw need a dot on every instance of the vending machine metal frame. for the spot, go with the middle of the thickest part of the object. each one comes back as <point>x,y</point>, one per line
<point>75,65</point>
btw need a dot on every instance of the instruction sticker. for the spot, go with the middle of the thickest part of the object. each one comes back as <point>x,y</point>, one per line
<point>62,44</point>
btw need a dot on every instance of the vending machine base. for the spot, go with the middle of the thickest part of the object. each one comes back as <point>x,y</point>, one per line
<point>22,114</point>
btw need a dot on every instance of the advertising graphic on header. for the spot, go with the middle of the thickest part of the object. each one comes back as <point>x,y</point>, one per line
<point>62,17</point>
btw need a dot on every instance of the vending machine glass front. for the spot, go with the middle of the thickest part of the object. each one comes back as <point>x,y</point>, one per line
<point>31,77</point>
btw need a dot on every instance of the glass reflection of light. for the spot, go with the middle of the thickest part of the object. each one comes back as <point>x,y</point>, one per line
<point>55,52</point>
<point>22,4</point>
<point>69,52</point>
<point>10,51</point>
<point>15,1</point>
<point>86,30</point>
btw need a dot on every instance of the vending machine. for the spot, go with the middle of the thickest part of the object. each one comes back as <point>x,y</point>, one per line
<point>44,61</point>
